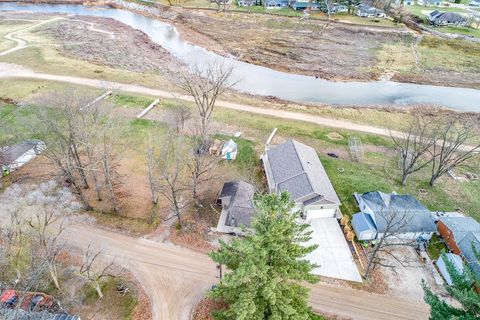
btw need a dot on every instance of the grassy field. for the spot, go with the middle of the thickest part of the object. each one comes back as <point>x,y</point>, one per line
<point>459,30</point>
<point>42,55</point>
<point>114,304</point>
<point>441,53</point>
<point>377,171</point>
<point>444,61</point>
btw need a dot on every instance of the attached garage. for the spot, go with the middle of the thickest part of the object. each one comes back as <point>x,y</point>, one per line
<point>320,213</point>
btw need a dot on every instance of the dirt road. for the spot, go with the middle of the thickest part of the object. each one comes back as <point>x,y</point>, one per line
<point>21,43</point>
<point>16,71</point>
<point>177,278</point>
<point>8,70</point>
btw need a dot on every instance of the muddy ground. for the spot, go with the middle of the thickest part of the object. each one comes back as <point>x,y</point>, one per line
<point>107,42</point>
<point>318,48</point>
<point>329,50</point>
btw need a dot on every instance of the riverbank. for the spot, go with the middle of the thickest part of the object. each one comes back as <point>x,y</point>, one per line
<point>254,79</point>
<point>329,50</point>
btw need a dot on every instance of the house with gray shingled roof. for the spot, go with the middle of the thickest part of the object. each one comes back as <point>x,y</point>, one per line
<point>236,199</point>
<point>296,168</point>
<point>415,222</point>
<point>15,156</point>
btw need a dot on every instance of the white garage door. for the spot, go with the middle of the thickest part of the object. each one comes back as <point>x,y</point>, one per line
<point>320,213</point>
<point>333,253</point>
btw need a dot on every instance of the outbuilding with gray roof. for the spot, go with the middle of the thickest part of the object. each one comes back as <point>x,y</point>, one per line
<point>236,199</point>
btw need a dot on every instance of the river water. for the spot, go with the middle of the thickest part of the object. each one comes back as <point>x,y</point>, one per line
<point>264,81</point>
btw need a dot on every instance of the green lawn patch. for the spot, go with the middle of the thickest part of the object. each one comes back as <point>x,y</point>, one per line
<point>131,101</point>
<point>6,110</point>
<point>461,30</point>
<point>417,10</point>
<point>118,305</point>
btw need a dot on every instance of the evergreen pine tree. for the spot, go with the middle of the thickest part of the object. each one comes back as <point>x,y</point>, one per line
<point>465,289</point>
<point>266,267</point>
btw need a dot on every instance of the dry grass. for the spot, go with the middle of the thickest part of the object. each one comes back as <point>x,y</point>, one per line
<point>192,236</point>
<point>204,309</point>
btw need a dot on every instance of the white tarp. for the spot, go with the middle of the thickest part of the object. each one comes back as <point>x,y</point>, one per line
<point>333,253</point>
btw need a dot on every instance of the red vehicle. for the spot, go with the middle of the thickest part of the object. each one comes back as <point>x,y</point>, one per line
<point>28,301</point>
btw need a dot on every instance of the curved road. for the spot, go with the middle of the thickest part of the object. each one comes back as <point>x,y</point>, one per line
<point>177,278</point>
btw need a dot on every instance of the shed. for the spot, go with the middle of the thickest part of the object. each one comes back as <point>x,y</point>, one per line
<point>364,226</point>
<point>457,262</point>
<point>229,150</point>
<point>236,199</point>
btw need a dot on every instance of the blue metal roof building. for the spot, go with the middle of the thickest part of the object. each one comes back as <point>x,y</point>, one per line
<point>413,220</point>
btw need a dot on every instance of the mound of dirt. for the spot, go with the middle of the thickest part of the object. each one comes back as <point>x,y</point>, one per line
<point>108,42</point>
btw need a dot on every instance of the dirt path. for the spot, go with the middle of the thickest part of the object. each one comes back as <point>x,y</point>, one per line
<point>91,27</point>
<point>21,43</point>
<point>177,278</point>
<point>16,71</point>
<point>8,70</point>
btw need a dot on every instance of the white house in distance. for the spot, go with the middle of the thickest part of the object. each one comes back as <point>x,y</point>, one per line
<point>414,221</point>
<point>295,168</point>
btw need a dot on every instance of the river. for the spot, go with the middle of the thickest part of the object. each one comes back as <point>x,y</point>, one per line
<point>260,80</point>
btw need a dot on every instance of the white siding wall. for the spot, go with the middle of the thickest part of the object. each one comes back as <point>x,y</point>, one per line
<point>403,237</point>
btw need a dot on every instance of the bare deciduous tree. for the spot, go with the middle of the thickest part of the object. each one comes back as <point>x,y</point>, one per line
<point>82,138</point>
<point>205,84</point>
<point>416,140</point>
<point>170,173</point>
<point>111,156</point>
<point>221,4</point>
<point>92,272</point>
<point>328,7</point>
<point>50,243</point>
<point>394,223</point>
<point>152,170</point>
<point>451,148</point>
<point>178,115</point>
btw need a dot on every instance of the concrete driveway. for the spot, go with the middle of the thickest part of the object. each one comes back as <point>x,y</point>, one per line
<point>333,253</point>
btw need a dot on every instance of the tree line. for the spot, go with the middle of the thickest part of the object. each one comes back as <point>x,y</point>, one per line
<point>439,143</point>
